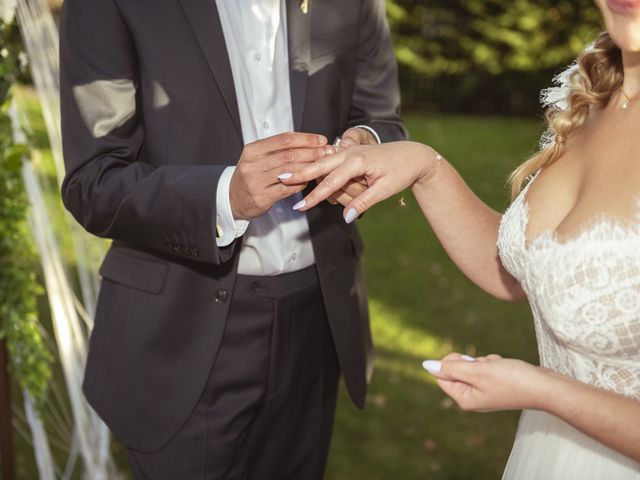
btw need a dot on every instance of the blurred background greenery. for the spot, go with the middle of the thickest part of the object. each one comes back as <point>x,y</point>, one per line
<point>486,55</point>
<point>471,72</point>
<point>483,56</point>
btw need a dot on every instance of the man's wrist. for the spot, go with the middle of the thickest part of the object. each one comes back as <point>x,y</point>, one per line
<point>227,227</point>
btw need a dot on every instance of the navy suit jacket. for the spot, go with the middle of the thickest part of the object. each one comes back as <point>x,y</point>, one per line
<point>150,120</point>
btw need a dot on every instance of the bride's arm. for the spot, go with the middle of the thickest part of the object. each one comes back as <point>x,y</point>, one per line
<point>466,226</point>
<point>494,383</point>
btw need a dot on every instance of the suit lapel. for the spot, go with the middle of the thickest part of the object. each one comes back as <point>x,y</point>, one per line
<point>205,22</point>
<point>299,32</point>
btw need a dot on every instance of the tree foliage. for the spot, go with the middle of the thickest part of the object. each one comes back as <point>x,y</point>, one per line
<point>486,47</point>
<point>19,286</point>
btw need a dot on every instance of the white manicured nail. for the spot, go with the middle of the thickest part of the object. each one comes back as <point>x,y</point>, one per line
<point>468,358</point>
<point>284,176</point>
<point>432,366</point>
<point>351,215</point>
<point>299,205</point>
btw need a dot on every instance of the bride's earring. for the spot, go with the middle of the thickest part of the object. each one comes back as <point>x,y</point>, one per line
<point>304,6</point>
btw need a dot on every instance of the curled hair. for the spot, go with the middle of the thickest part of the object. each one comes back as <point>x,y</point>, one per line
<point>597,76</point>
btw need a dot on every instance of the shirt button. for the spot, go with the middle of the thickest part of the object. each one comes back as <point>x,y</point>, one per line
<point>257,57</point>
<point>294,256</point>
<point>221,296</point>
<point>266,125</point>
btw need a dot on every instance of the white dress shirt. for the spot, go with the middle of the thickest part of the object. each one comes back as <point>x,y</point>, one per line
<point>256,39</point>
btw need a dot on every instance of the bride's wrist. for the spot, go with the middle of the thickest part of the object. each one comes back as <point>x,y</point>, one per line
<point>431,162</point>
<point>547,390</point>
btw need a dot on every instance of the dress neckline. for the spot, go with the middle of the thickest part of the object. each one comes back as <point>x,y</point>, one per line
<point>622,228</point>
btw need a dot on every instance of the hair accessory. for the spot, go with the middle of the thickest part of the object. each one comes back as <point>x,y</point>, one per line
<point>558,97</point>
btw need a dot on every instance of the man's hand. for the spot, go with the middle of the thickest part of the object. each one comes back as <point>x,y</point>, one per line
<point>254,185</point>
<point>353,137</point>
<point>357,136</point>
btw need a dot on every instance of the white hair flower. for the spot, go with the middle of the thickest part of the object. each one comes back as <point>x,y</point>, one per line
<point>558,97</point>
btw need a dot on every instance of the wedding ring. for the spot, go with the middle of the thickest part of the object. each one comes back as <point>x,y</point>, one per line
<point>337,143</point>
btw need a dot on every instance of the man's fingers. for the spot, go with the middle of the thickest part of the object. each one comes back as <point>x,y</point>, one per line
<point>354,188</point>
<point>285,141</point>
<point>357,136</point>
<point>332,183</point>
<point>348,193</point>
<point>341,198</point>
<point>278,192</point>
<point>287,161</point>
<point>351,138</point>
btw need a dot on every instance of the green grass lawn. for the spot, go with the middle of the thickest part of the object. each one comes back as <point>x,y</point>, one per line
<point>422,307</point>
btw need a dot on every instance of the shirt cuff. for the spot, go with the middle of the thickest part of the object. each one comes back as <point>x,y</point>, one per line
<point>371,131</point>
<point>227,228</point>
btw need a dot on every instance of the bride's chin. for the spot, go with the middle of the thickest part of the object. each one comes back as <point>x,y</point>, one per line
<point>626,34</point>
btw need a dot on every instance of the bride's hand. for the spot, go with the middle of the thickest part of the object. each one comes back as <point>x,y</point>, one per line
<point>387,169</point>
<point>491,383</point>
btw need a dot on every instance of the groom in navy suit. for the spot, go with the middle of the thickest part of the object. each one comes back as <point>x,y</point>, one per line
<point>225,316</point>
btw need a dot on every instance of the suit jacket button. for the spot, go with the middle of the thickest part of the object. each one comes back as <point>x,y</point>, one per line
<point>221,296</point>
<point>254,287</point>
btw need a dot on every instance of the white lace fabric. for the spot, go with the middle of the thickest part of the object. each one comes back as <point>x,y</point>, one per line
<point>585,297</point>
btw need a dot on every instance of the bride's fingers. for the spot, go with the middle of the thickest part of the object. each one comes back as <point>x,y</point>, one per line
<point>312,171</point>
<point>454,367</point>
<point>372,195</point>
<point>351,190</point>
<point>455,389</point>
<point>333,182</point>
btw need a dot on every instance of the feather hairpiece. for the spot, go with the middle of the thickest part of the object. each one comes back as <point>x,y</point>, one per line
<point>558,96</point>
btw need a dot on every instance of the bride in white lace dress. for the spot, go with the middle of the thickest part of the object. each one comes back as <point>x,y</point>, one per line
<point>570,243</point>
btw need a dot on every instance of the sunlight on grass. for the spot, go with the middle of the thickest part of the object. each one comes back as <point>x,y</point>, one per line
<point>391,333</point>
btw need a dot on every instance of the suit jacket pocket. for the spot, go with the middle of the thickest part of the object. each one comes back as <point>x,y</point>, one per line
<point>132,271</point>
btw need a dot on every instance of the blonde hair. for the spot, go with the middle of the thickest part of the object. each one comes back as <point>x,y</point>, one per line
<point>598,76</point>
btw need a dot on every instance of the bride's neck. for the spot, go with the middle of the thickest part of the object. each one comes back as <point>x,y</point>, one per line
<point>631,66</point>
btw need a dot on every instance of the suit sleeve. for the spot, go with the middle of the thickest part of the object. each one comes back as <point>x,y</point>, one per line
<point>107,188</point>
<point>376,97</point>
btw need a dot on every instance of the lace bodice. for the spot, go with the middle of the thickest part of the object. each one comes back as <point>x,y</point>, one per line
<point>585,296</point>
